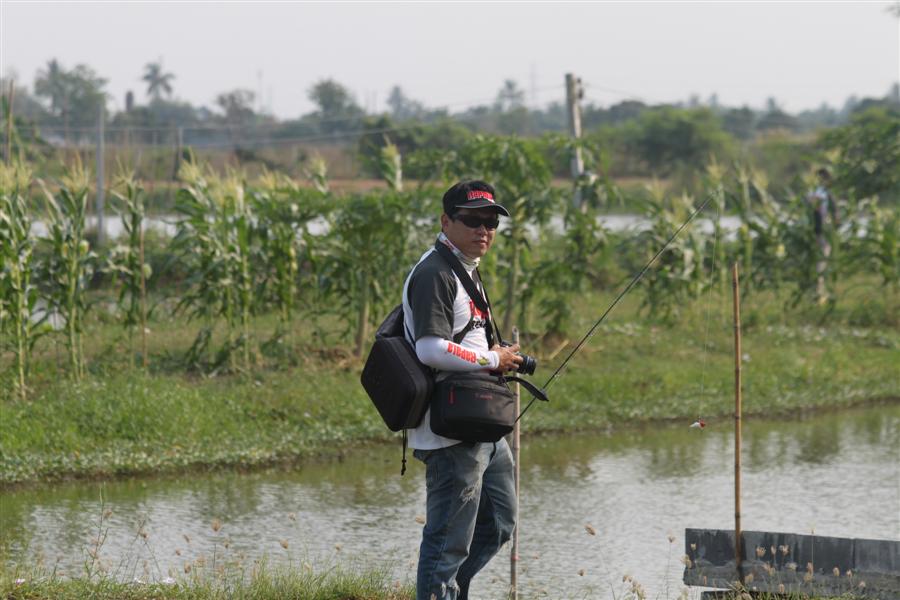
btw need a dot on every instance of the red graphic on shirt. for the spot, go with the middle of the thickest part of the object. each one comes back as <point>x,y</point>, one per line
<point>460,352</point>
<point>476,312</point>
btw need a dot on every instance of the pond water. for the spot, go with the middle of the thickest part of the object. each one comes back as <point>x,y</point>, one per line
<point>167,224</point>
<point>832,474</point>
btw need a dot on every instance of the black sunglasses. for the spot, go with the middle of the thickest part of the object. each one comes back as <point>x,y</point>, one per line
<point>474,222</point>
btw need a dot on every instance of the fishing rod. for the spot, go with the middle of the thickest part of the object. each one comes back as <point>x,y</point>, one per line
<point>621,295</point>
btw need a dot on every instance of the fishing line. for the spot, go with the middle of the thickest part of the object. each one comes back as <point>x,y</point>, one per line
<point>712,271</point>
<point>621,295</point>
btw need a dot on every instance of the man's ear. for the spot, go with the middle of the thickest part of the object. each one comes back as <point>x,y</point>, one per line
<point>445,221</point>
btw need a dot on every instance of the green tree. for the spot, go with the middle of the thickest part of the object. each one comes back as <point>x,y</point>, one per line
<point>237,106</point>
<point>868,154</point>
<point>668,137</point>
<point>739,122</point>
<point>510,96</point>
<point>51,84</point>
<point>158,82</point>
<point>75,96</point>
<point>776,118</point>
<point>403,107</point>
<point>333,100</point>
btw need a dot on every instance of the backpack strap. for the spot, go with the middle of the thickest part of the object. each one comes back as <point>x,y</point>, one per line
<point>459,336</point>
<point>492,324</point>
<point>403,462</point>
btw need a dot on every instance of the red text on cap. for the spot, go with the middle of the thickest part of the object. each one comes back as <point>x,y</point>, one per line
<point>476,194</point>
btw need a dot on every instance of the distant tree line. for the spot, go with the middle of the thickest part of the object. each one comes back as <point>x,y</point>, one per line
<point>630,137</point>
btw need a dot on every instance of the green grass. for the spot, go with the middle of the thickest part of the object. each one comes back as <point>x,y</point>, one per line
<point>259,583</point>
<point>263,583</point>
<point>303,399</point>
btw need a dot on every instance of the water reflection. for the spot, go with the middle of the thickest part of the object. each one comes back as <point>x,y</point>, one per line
<point>835,473</point>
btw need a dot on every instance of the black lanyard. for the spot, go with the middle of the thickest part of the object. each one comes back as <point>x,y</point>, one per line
<point>480,301</point>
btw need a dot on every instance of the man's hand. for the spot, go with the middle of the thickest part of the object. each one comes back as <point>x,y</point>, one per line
<point>509,360</point>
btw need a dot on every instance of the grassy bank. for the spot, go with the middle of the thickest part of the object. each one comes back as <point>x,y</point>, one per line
<point>270,585</point>
<point>305,401</point>
<point>265,583</point>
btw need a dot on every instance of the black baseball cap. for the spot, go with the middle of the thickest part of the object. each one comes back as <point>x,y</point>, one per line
<point>471,194</point>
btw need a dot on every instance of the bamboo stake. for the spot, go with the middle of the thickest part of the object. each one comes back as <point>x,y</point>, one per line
<point>514,552</point>
<point>143,298</point>
<point>735,285</point>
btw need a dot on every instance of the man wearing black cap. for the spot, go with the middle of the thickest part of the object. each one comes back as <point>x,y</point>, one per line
<point>471,504</point>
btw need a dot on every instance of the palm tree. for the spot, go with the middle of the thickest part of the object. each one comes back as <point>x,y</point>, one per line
<point>510,96</point>
<point>157,81</point>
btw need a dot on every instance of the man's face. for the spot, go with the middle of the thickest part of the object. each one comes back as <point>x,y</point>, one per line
<point>473,242</point>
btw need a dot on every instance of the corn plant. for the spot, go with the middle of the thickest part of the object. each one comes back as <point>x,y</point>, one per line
<point>763,230</point>
<point>126,262</point>
<point>884,240</point>
<point>240,249</point>
<point>18,294</point>
<point>873,237</point>
<point>199,249</point>
<point>783,242</point>
<point>70,262</point>
<point>678,274</point>
<point>391,166</point>
<point>368,255</point>
<point>317,173</point>
<point>284,211</point>
<point>804,254</point>
<point>582,259</point>
<point>216,238</point>
<point>718,250</point>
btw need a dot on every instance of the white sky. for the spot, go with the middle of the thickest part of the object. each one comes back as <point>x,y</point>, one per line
<point>458,54</point>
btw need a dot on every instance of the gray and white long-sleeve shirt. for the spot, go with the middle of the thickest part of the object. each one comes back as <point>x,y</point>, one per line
<point>436,307</point>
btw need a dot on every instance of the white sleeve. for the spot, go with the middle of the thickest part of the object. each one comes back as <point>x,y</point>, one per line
<point>447,356</point>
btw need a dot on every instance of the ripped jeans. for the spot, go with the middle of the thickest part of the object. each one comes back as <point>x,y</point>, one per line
<point>471,513</point>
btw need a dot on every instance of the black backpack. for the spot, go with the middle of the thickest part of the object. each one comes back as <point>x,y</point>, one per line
<point>399,385</point>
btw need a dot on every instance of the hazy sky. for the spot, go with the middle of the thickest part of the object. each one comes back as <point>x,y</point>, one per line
<point>459,54</point>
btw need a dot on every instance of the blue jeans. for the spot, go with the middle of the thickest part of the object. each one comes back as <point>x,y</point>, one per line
<point>471,513</point>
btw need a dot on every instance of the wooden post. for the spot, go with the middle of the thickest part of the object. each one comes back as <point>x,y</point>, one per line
<point>573,98</point>
<point>143,298</point>
<point>9,120</point>
<point>735,286</point>
<point>514,552</point>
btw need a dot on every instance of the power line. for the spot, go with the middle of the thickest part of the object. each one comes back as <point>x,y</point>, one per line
<point>623,93</point>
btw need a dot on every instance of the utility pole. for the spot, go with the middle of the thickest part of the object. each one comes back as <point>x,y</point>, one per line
<point>179,144</point>
<point>101,232</point>
<point>574,94</point>
<point>9,119</point>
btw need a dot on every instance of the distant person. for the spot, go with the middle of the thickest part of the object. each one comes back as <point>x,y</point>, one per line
<point>823,206</point>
